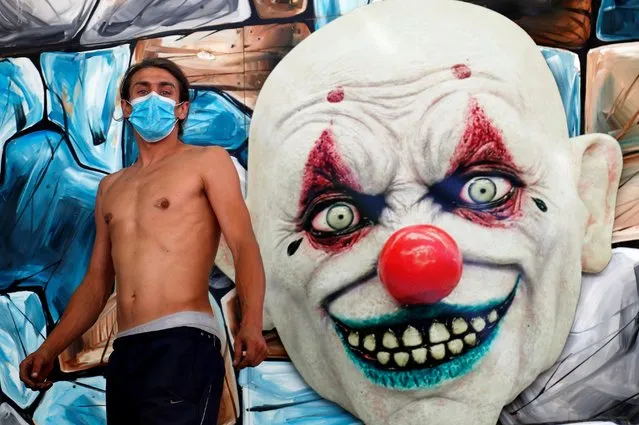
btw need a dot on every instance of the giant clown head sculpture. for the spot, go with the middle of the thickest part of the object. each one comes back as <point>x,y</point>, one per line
<point>423,216</point>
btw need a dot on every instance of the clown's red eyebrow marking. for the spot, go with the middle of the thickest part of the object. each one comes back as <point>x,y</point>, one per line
<point>325,169</point>
<point>461,71</point>
<point>336,95</point>
<point>482,142</point>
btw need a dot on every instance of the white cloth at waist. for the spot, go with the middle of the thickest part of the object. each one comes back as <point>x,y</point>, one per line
<point>194,319</point>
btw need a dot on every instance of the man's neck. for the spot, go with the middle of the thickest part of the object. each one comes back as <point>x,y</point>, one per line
<point>150,153</point>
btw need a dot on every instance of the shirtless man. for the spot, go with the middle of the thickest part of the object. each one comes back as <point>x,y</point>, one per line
<point>158,225</point>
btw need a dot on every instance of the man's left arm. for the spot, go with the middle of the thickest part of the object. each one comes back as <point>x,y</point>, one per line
<point>222,186</point>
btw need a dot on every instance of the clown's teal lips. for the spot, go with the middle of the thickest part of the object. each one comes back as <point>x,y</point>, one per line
<point>419,347</point>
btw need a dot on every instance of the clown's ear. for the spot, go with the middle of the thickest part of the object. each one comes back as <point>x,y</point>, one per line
<point>599,162</point>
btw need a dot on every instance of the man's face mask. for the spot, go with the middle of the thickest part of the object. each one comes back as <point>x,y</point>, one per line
<point>153,116</point>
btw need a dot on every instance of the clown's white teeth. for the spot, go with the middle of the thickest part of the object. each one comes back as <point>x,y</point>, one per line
<point>369,342</point>
<point>459,326</point>
<point>383,357</point>
<point>438,333</point>
<point>470,339</point>
<point>411,337</point>
<point>389,340</point>
<point>478,324</point>
<point>438,351</point>
<point>401,359</point>
<point>455,346</point>
<point>449,338</point>
<point>492,316</point>
<point>419,355</point>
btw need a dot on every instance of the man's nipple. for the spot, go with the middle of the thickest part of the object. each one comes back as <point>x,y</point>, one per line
<point>162,203</point>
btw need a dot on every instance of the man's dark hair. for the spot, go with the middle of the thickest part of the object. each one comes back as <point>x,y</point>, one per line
<point>165,64</point>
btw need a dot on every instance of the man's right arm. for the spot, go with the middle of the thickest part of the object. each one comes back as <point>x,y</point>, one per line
<point>84,307</point>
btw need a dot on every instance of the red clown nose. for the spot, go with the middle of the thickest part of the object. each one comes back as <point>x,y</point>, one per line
<point>420,265</point>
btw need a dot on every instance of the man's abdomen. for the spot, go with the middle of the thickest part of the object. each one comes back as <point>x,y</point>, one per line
<point>163,273</point>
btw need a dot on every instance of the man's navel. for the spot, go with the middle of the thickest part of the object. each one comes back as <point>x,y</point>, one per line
<point>162,203</point>
<point>108,217</point>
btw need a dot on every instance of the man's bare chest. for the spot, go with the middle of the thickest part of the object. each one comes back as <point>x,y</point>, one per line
<point>152,199</point>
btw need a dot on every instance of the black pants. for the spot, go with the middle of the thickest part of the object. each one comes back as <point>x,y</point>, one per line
<point>173,376</point>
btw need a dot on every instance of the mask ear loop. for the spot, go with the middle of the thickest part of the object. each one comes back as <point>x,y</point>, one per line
<point>122,118</point>
<point>113,117</point>
<point>176,118</point>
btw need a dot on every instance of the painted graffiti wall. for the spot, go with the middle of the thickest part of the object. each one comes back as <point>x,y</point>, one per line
<point>61,132</point>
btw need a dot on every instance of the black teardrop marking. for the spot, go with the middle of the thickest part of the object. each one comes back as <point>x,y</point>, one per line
<point>292,248</point>
<point>540,204</point>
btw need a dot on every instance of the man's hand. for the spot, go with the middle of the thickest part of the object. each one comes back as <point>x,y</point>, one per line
<point>250,347</point>
<point>35,369</point>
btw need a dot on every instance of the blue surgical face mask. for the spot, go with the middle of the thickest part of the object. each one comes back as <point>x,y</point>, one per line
<point>153,116</point>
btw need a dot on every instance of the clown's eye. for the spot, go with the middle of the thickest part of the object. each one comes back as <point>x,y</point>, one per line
<point>486,191</point>
<point>336,218</point>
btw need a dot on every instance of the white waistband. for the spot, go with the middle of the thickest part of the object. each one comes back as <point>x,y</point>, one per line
<point>193,319</point>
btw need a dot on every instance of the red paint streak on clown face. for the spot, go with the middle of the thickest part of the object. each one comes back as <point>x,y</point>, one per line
<point>339,243</point>
<point>482,142</point>
<point>325,175</point>
<point>482,148</point>
<point>461,71</point>
<point>325,169</point>
<point>335,96</point>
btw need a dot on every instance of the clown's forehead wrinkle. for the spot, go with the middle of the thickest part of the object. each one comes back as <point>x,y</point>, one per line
<point>373,149</point>
<point>394,97</point>
<point>370,115</point>
<point>488,118</point>
<point>424,44</point>
<point>386,111</point>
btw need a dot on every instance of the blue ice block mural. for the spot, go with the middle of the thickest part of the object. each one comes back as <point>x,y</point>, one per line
<point>82,98</point>
<point>29,23</point>
<point>22,330</point>
<point>319,412</point>
<point>21,97</point>
<point>565,67</point>
<point>618,20</point>
<point>329,10</point>
<point>71,403</point>
<point>118,21</point>
<point>274,393</point>
<point>9,416</point>
<point>215,117</point>
<point>46,217</point>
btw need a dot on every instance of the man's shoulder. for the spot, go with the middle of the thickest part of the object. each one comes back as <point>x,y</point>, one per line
<point>214,152</point>
<point>108,180</point>
<point>210,156</point>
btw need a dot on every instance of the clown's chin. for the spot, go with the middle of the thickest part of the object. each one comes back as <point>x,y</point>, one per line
<point>421,347</point>
<point>437,411</point>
